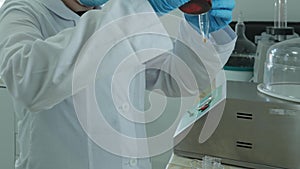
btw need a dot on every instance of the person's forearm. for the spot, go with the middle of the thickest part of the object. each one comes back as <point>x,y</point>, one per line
<point>204,61</point>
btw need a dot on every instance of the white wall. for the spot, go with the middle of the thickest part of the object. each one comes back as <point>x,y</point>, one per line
<point>263,10</point>
<point>7,132</point>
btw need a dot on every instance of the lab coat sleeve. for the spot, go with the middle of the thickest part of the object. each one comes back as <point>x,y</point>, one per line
<point>38,71</point>
<point>204,60</point>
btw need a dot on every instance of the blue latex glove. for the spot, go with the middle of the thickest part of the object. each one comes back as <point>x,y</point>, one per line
<point>166,6</point>
<point>92,2</point>
<point>219,16</point>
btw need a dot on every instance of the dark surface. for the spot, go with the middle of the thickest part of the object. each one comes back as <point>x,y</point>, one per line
<point>242,62</point>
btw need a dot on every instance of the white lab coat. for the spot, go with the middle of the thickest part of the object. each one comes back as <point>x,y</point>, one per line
<point>40,43</point>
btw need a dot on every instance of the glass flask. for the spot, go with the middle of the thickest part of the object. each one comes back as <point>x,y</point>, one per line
<point>240,64</point>
<point>282,71</point>
<point>243,44</point>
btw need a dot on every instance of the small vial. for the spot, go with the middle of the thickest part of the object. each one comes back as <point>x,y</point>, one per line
<point>204,26</point>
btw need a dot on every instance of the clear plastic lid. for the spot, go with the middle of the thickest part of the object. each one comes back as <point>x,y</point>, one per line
<point>282,71</point>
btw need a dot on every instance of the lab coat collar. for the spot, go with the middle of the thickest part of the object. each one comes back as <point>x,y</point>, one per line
<point>58,7</point>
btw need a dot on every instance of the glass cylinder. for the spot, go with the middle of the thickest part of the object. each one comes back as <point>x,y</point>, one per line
<point>280,20</point>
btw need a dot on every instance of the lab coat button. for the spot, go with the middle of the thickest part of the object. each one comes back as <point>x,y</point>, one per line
<point>125,107</point>
<point>132,162</point>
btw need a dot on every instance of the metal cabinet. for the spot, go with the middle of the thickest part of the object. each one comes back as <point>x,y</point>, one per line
<point>256,131</point>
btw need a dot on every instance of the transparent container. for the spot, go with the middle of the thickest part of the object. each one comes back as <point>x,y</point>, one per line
<point>240,65</point>
<point>243,45</point>
<point>207,162</point>
<point>282,71</point>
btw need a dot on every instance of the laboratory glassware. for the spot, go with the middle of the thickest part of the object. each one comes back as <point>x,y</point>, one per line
<point>282,70</point>
<point>239,66</point>
<point>277,33</point>
<point>200,8</point>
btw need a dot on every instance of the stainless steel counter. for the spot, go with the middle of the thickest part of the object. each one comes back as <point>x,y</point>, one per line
<point>256,131</point>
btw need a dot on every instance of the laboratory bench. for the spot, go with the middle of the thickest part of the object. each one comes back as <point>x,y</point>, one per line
<point>256,131</point>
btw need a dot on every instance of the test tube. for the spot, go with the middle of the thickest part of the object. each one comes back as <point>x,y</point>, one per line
<point>200,8</point>
<point>204,26</point>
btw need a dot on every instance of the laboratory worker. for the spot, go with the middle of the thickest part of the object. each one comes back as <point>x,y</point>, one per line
<point>77,72</point>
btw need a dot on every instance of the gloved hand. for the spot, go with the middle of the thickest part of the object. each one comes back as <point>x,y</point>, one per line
<point>166,6</point>
<point>92,3</point>
<point>219,16</point>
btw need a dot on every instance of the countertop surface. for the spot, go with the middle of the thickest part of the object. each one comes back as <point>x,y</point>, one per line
<point>177,162</point>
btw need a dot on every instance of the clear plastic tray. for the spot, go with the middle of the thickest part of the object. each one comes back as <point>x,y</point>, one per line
<point>286,91</point>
